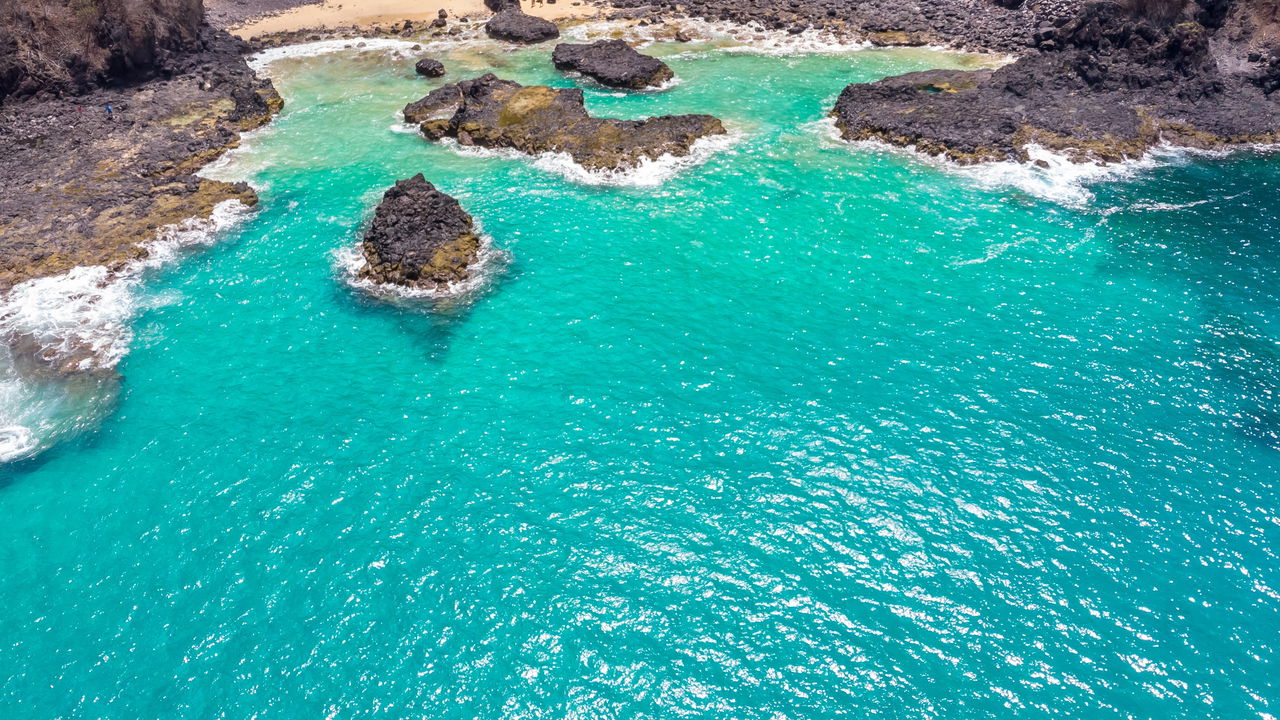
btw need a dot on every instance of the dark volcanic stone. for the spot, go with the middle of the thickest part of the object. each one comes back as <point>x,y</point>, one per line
<point>419,238</point>
<point>497,113</point>
<point>519,27</point>
<point>1107,85</point>
<point>439,102</point>
<point>428,67</point>
<point>613,63</point>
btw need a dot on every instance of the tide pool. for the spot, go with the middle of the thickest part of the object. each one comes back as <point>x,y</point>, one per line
<point>806,430</point>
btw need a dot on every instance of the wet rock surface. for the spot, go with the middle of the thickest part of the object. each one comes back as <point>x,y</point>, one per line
<point>494,113</point>
<point>519,27</point>
<point>420,238</point>
<point>1105,85</point>
<point>441,102</point>
<point>429,67</point>
<point>84,186</point>
<point>613,63</point>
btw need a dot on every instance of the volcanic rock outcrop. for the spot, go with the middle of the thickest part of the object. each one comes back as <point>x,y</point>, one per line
<point>420,238</point>
<point>613,63</point>
<point>494,113</point>
<point>516,26</point>
<point>1106,85</point>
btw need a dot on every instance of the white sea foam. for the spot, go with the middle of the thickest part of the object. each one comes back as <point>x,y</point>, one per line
<point>1048,175</point>
<point>726,36</point>
<point>349,261</point>
<point>261,60</point>
<point>78,320</point>
<point>648,173</point>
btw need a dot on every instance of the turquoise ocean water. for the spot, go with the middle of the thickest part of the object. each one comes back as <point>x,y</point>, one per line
<point>804,431</point>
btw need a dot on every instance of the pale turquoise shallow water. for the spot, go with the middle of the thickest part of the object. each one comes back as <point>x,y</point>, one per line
<point>807,431</point>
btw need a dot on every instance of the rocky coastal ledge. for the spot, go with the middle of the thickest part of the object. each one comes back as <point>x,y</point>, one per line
<point>91,172</point>
<point>420,239</point>
<point>493,113</point>
<point>1105,85</point>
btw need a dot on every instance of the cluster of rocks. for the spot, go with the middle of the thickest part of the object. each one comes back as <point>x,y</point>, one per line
<point>1104,85</point>
<point>991,25</point>
<point>494,113</point>
<point>419,238</point>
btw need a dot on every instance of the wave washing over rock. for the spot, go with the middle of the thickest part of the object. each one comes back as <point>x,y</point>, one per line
<point>79,321</point>
<point>350,264</point>
<point>1046,174</point>
<point>649,172</point>
<point>64,335</point>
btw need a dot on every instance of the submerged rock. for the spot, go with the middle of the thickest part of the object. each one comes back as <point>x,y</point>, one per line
<point>1107,85</point>
<point>429,67</point>
<point>514,25</point>
<point>495,113</point>
<point>419,238</point>
<point>613,63</point>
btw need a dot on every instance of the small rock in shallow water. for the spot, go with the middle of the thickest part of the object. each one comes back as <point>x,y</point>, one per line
<point>613,63</point>
<point>428,67</point>
<point>419,238</point>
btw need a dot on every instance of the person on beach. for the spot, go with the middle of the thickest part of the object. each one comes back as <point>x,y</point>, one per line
<point>110,115</point>
<point>535,3</point>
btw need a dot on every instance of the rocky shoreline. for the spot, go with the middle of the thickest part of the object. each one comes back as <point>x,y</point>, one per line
<point>1097,82</point>
<point>88,184</point>
<point>1105,86</point>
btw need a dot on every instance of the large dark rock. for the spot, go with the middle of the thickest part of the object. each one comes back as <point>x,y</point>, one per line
<point>74,46</point>
<point>519,27</point>
<point>1106,85</point>
<point>429,67</point>
<point>419,238</point>
<point>497,113</point>
<point>613,63</point>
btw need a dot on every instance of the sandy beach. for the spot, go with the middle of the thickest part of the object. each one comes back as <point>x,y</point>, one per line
<point>366,13</point>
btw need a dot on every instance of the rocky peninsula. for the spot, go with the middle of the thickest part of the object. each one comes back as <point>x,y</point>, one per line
<point>493,113</point>
<point>420,238</point>
<point>99,147</point>
<point>1107,84</point>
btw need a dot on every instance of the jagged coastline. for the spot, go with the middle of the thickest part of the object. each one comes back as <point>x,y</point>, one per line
<point>97,160</point>
<point>1107,85</point>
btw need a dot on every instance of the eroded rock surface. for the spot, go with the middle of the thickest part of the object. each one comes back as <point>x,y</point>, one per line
<point>613,63</point>
<point>516,26</point>
<point>419,238</point>
<point>494,113</point>
<point>1106,85</point>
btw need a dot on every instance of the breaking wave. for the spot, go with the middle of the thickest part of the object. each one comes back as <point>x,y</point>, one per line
<point>650,172</point>
<point>490,261</point>
<point>64,334</point>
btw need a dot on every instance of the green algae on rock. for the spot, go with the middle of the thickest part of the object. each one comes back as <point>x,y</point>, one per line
<point>494,113</point>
